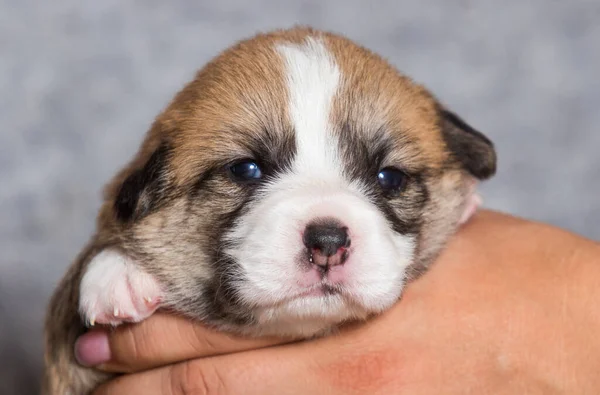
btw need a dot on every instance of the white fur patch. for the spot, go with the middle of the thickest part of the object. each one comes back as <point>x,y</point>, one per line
<point>270,253</point>
<point>114,290</point>
<point>312,79</point>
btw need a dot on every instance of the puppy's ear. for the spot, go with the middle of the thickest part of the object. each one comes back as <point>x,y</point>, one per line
<point>474,151</point>
<point>145,188</point>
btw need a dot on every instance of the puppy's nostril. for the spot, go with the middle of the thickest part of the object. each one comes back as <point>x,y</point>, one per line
<point>326,238</point>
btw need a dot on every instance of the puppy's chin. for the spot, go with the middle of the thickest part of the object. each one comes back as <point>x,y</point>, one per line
<point>308,316</point>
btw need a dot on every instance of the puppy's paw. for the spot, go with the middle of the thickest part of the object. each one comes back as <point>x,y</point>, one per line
<point>114,290</point>
<point>474,201</point>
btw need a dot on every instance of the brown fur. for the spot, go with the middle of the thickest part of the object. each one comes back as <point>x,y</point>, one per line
<point>237,98</point>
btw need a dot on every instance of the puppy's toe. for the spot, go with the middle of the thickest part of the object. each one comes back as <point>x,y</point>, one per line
<point>114,290</point>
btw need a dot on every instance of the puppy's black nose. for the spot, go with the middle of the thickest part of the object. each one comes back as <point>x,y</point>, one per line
<point>326,237</point>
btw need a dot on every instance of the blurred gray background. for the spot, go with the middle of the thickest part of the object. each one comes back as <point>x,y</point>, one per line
<point>80,83</point>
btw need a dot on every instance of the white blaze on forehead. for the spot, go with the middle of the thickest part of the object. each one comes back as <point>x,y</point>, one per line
<point>312,80</point>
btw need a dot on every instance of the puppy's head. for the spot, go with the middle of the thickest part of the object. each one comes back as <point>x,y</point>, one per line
<point>297,182</point>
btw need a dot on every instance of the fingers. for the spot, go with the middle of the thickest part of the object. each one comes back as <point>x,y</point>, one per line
<point>159,340</point>
<point>361,358</point>
<point>281,370</point>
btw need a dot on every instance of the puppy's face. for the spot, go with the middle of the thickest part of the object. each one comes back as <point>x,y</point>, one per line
<point>297,182</point>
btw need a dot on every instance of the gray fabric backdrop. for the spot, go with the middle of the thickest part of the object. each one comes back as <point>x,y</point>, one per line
<point>81,81</point>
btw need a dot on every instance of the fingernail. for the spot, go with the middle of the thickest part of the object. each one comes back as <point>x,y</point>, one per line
<point>92,348</point>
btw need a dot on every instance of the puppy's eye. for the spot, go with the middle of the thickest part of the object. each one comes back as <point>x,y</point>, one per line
<point>392,180</point>
<point>246,170</point>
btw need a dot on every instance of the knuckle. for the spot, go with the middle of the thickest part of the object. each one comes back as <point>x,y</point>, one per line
<point>191,378</point>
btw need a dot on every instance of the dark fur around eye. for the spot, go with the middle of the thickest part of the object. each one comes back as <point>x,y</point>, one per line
<point>362,159</point>
<point>273,152</point>
<point>401,196</point>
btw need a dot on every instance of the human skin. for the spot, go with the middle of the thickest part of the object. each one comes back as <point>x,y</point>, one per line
<point>510,307</point>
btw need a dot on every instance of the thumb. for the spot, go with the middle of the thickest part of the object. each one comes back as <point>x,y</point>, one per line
<point>160,340</point>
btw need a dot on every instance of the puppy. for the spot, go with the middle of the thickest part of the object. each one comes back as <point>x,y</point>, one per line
<point>299,181</point>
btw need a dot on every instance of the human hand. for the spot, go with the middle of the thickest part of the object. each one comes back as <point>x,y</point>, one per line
<point>510,307</point>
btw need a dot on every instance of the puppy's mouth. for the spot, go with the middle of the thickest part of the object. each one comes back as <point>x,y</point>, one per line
<point>319,290</point>
<point>323,290</point>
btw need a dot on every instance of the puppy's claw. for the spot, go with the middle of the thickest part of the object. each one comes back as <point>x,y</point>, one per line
<point>124,294</point>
